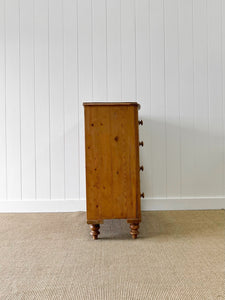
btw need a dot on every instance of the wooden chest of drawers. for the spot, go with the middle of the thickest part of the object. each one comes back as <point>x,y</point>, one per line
<point>112,164</point>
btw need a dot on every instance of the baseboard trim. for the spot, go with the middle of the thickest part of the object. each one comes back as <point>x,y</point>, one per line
<point>44,205</point>
<point>54,205</point>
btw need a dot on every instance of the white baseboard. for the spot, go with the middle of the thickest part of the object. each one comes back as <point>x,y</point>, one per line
<point>44,205</point>
<point>54,205</point>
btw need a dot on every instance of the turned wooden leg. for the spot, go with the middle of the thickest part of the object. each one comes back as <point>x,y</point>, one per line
<point>134,230</point>
<point>95,231</point>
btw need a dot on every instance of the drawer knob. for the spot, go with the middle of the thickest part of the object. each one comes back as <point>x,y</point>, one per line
<point>141,143</point>
<point>142,195</point>
<point>140,122</point>
<point>141,168</point>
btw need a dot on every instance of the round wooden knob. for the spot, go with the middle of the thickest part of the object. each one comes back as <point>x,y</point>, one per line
<point>141,143</point>
<point>142,195</point>
<point>140,122</point>
<point>141,168</point>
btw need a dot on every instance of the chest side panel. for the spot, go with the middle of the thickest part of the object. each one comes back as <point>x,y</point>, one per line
<point>112,162</point>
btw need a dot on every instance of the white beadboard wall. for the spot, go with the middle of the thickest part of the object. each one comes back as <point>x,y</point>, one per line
<point>169,55</point>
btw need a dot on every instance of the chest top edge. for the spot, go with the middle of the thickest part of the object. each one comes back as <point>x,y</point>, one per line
<point>112,104</point>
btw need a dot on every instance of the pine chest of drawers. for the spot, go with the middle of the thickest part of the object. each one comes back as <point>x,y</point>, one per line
<point>112,164</point>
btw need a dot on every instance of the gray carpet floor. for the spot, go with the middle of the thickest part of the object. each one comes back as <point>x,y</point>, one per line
<point>178,255</point>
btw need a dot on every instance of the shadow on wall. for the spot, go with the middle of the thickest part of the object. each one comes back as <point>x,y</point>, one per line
<point>182,161</point>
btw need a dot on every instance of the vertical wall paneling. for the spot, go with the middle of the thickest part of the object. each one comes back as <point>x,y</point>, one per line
<point>186,83</point>
<point>169,55</point>
<point>13,98</point>
<point>201,108</point>
<point>172,91</point>
<point>71,100</point>
<point>57,122</point>
<point>142,55</point>
<point>85,51</point>
<point>128,50</point>
<point>158,126</point>
<point>223,82</point>
<point>3,184</point>
<point>216,137</point>
<point>42,99</point>
<point>114,83</point>
<point>100,73</point>
<point>28,118</point>
<point>142,9</point>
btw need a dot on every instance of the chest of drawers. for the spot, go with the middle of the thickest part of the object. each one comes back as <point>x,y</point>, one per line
<point>112,164</point>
